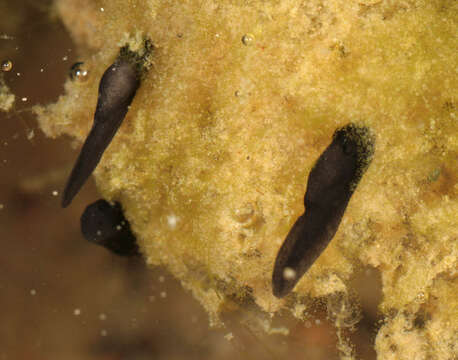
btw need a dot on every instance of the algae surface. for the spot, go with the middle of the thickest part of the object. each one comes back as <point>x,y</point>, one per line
<point>242,97</point>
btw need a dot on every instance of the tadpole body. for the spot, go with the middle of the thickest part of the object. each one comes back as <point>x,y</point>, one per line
<point>330,185</point>
<point>104,224</point>
<point>117,89</point>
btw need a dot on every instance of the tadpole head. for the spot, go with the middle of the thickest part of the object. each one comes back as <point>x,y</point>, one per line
<point>104,224</point>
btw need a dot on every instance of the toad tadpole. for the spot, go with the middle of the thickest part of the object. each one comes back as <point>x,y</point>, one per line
<point>117,89</point>
<point>330,185</point>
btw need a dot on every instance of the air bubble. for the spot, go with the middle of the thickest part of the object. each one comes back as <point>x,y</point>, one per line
<point>7,65</point>
<point>78,72</point>
<point>247,39</point>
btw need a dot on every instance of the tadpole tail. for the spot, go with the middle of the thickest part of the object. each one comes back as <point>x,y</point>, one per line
<point>93,148</point>
<point>117,89</point>
<point>330,186</point>
<point>307,239</point>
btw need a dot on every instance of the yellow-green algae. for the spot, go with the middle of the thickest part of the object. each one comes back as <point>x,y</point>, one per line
<point>212,159</point>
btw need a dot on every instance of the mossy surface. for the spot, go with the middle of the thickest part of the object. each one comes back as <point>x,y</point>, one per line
<point>212,159</point>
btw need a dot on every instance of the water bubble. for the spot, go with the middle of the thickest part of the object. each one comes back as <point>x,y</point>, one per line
<point>78,72</point>
<point>7,65</point>
<point>247,39</point>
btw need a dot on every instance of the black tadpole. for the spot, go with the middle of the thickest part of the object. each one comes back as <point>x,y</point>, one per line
<point>330,186</point>
<point>117,89</point>
<point>104,224</point>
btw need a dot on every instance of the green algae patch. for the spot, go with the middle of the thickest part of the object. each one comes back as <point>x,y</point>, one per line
<point>211,162</point>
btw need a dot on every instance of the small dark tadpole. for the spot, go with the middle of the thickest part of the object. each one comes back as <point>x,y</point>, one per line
<point>331,183</point>
<point>104,224</point>
<point>117,89</point>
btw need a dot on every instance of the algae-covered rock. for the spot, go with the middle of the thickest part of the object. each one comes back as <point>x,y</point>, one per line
<point>211,162</point>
